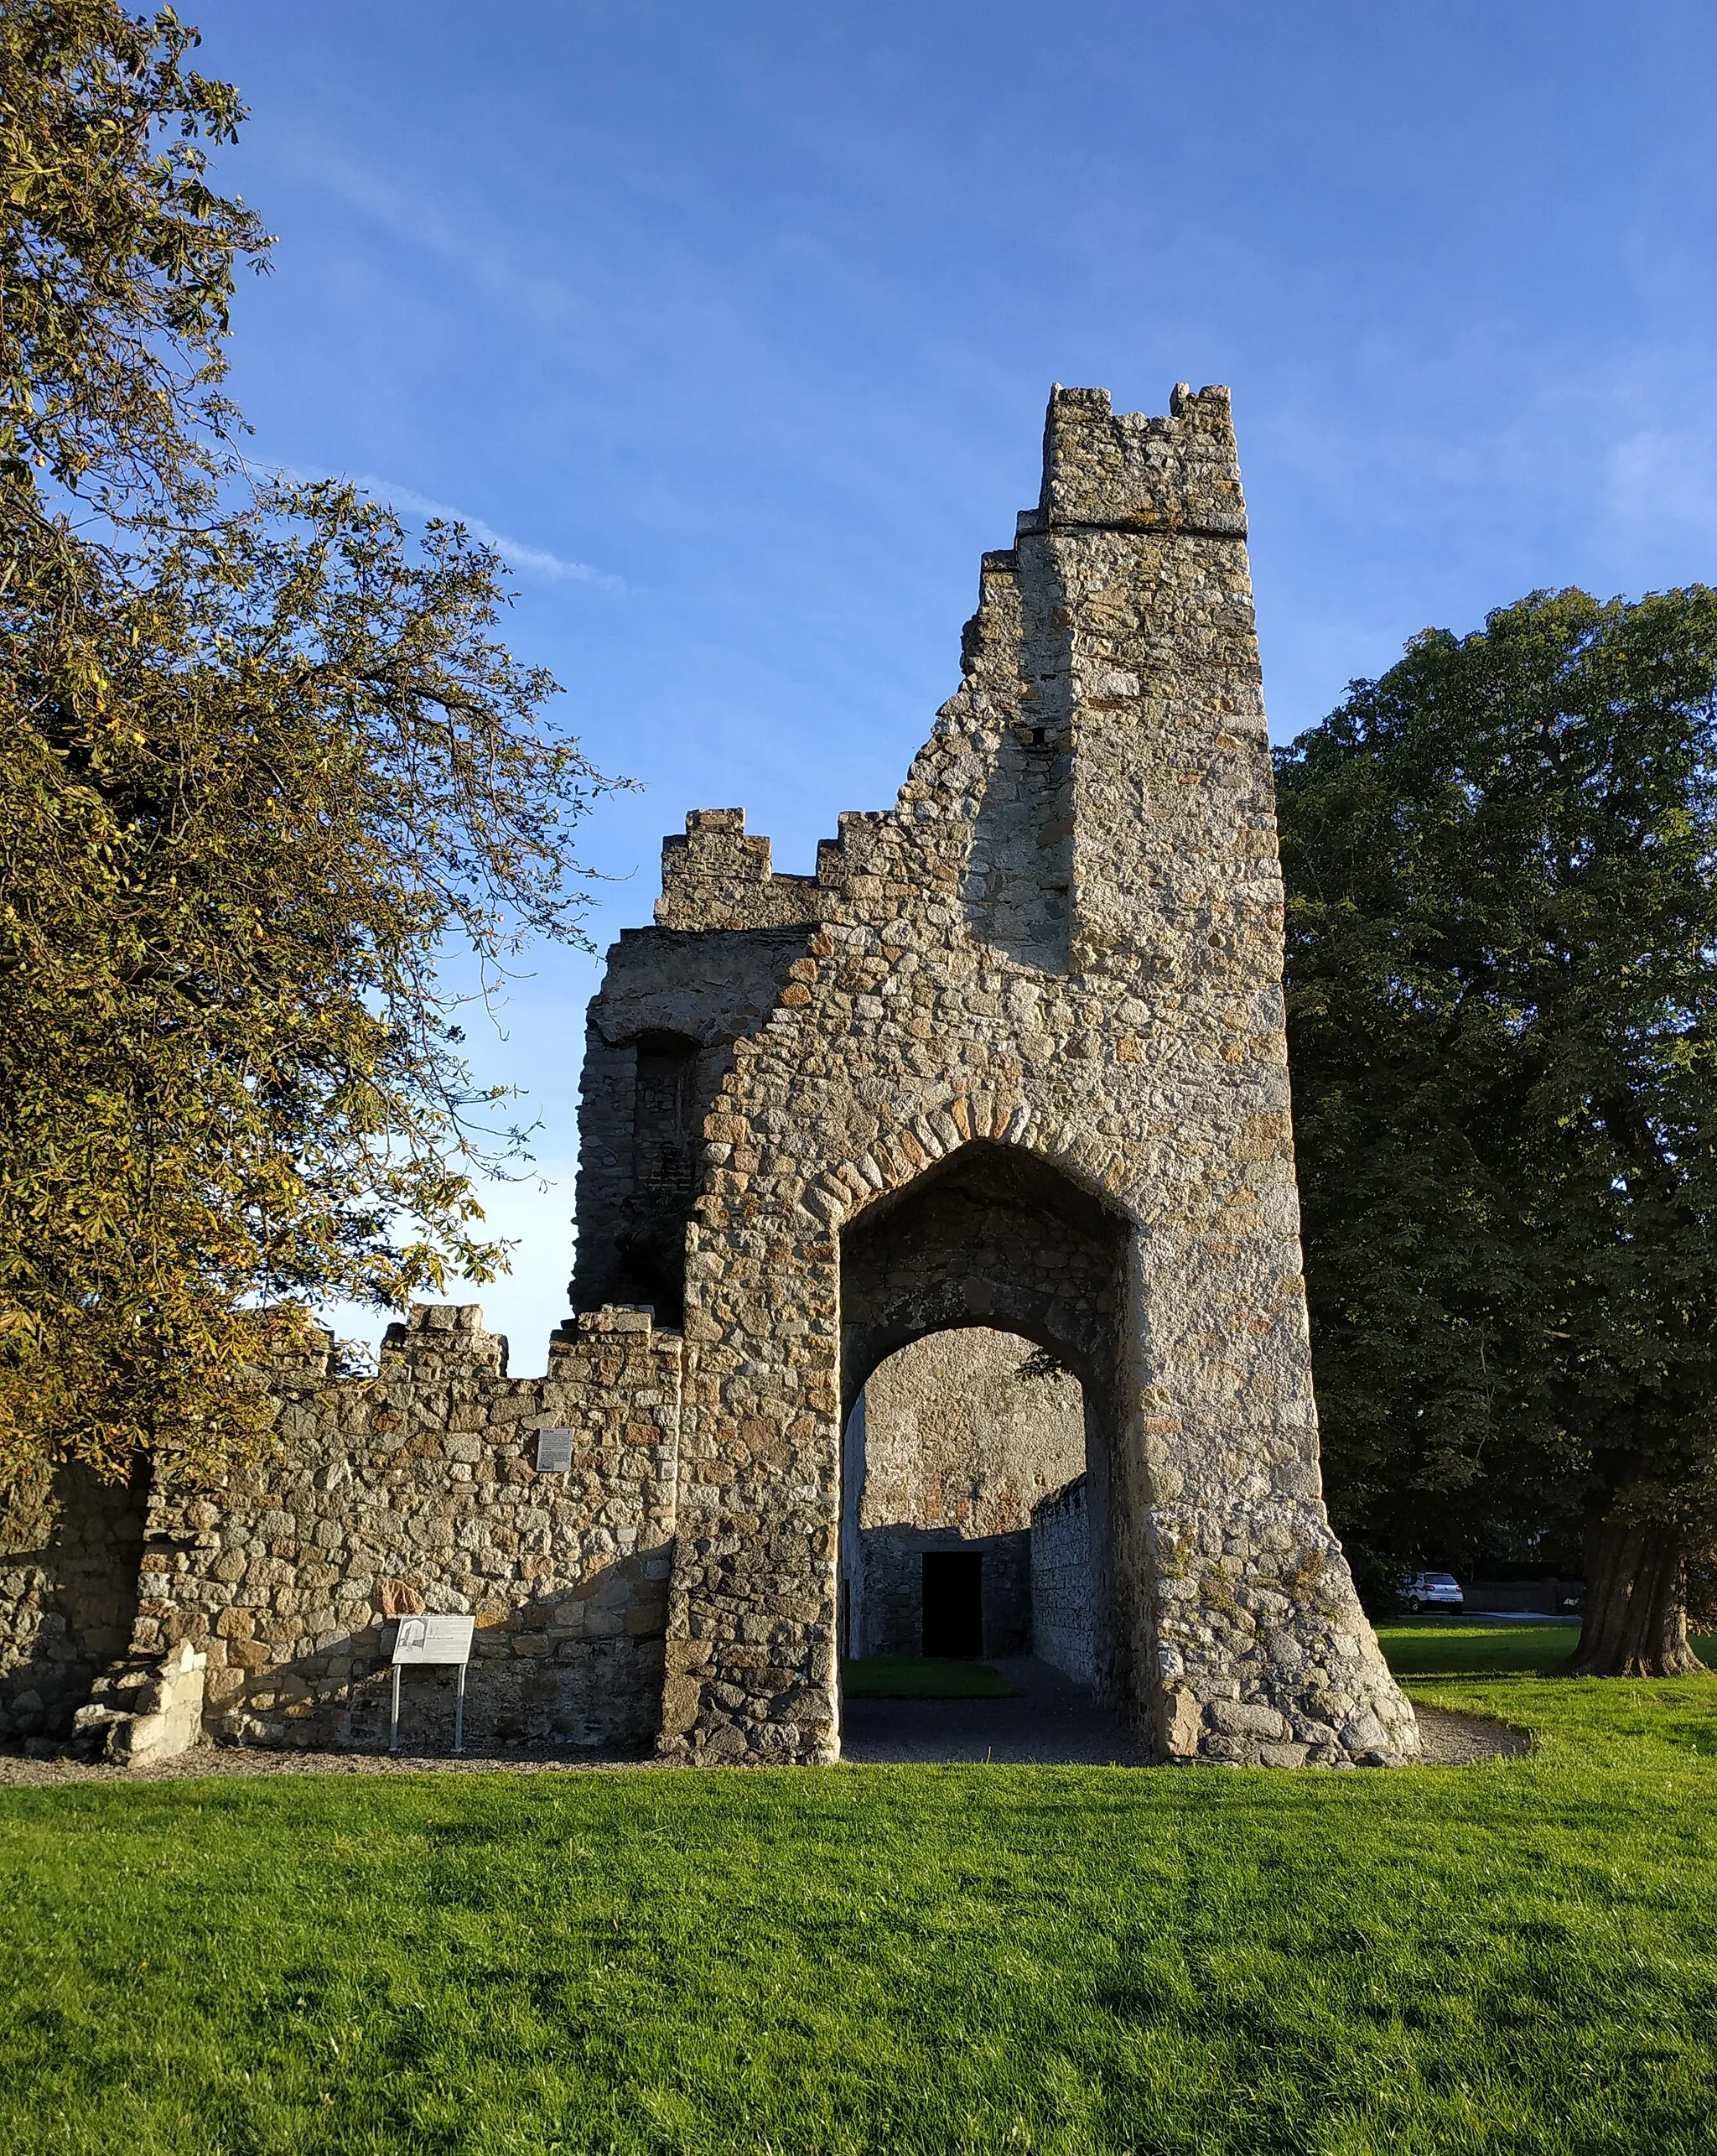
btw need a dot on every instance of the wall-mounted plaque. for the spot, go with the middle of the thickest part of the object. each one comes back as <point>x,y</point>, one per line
<point>433,1640</point>
<point>554,1452</point>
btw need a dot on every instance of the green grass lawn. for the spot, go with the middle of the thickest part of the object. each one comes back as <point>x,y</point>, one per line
<point>923,1676</point>
<point>1518,1957</point>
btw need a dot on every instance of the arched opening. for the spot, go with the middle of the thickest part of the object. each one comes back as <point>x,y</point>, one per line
<point>963,1471</point>
<point>650,1248</point>
<point>981,1311</point>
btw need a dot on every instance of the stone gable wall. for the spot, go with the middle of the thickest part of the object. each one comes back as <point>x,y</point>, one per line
<point>1143,1063</point>
<point>957,1434</point>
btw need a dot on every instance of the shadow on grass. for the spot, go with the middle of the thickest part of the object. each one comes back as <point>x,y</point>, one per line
<point>913,1676</point>
<point>1516,1961</point>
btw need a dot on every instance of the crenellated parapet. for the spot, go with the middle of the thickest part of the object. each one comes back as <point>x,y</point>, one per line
<point>443,1339</point>
<point>1133,471</point>
<point>718,875</point>
<point>265,1602</point>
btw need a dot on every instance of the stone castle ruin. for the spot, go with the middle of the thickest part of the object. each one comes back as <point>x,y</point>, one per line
<point>938,1275</point>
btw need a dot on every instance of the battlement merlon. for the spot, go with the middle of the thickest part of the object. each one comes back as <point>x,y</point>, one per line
<point>719,876</point>
<point>1128,471</point>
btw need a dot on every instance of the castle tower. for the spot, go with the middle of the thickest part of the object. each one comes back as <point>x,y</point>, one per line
<point>1014,1057</point>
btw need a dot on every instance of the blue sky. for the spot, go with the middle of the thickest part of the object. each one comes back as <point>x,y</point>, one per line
<point>735,324</point>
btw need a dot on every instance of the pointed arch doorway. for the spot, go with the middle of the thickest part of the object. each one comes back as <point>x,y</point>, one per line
<point>981,1308</point>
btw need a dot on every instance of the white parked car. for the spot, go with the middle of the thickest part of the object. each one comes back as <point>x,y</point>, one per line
<point>1435,1591</point>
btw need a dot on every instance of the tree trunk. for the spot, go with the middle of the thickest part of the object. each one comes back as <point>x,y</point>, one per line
<point>1635,1624</point>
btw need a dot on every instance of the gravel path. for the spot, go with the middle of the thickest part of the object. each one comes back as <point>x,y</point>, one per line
<point>1053,1723</point>
<point>1462,1740</point>
<point>235,1760</point>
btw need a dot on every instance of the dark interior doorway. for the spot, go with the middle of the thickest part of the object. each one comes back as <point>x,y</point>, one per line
<point>953,1602</point>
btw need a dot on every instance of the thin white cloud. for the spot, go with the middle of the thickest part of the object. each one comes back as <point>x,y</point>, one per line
<point>532,561</point>
<point>1663,475</point>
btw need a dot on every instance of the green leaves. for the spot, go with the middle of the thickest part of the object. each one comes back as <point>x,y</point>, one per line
<point>116,257</point>
<point>1503,1015</point>
<point>254,772</point>
<point>254,777</point>
<point>256,769</point>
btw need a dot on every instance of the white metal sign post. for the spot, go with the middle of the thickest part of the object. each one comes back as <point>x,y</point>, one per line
<point>441,1640</point>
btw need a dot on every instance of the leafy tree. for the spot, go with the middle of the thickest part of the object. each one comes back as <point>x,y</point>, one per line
<point>117,260</point>
<point>258,764</point>
<point>1502,923</point>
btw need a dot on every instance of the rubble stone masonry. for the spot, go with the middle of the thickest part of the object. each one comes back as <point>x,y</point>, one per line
<point>419,1489</point>
<point>1013,1058</point>
<point>1053,982</point>
<point>956,1439</point>
<point>1029,1070</point>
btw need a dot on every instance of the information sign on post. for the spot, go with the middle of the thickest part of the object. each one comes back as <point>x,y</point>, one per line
<point>444,1641</point>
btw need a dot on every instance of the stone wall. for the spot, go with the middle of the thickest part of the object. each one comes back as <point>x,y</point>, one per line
<point>419,1489</point>
<point>639,1155</point>
<point>968,1429</point>
<point>1119,1091</point>
<point>68,1554</point>
<point>1014,1056</point>
<point>1063,1621</point>
<point>890,1613</point>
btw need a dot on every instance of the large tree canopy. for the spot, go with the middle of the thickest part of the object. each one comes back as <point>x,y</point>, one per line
<point>257,765</point>
<point>1502,861</point>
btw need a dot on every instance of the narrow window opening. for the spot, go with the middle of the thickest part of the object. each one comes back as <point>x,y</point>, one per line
<point>651,1248</point>
<point>664,1158</point>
